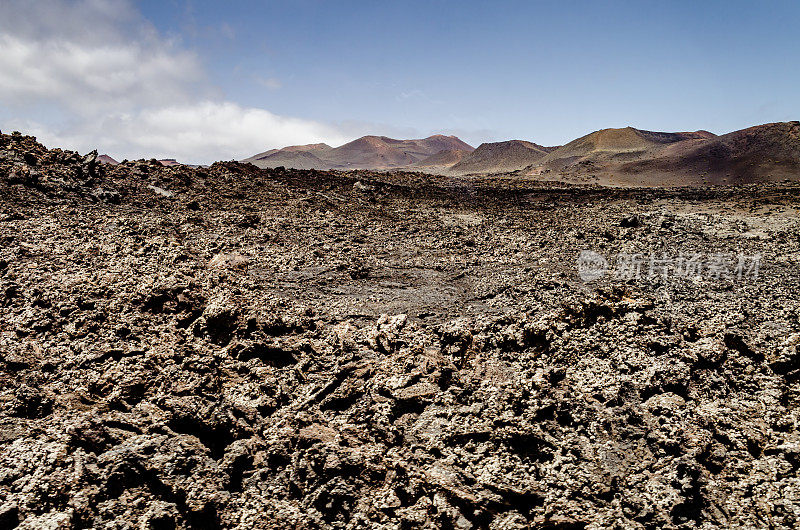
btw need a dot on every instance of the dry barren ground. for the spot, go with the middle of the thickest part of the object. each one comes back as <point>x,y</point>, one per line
<point>229,347</point>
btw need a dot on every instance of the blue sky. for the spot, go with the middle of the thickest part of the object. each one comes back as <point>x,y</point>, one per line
<point>542,71</point>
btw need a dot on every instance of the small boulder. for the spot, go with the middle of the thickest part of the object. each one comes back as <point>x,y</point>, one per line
<point>631,221</point>
<point>233,260</point>
<point>360,187</point>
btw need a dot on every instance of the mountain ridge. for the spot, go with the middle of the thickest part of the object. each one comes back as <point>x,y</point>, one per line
<point>366,152</point>
<point>494,157</point>
<point>626,155</point>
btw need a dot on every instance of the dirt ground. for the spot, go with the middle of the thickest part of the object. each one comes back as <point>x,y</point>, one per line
<point>229,347</point>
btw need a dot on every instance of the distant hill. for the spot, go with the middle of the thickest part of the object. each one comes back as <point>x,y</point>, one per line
<point>601,147</point>
<point>295,156</point>
<point>105,159</point>
<point>372,152</point>
<point>500,157</point>
<point>768,152</point>
<point>294,159</point>
<point>626,156</point>
<point>367,152</point>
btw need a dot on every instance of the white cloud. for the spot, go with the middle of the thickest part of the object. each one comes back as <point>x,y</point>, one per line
<point>122,88</point>
<point>202,132</point>
<point>93,79</point>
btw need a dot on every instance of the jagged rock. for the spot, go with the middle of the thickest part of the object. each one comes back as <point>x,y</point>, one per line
<point>631,221</point>
<point>232,260</point>
<point>278,352</point>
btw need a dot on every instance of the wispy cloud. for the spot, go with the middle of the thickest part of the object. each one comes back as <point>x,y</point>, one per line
<point>270,83</point>
<point>227,31</point>
<point>414,93</point>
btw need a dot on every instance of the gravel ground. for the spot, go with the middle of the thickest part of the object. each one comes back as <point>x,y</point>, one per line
<point>229,347</point>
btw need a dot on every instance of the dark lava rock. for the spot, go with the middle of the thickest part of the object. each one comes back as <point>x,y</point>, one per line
<point>284,353</point>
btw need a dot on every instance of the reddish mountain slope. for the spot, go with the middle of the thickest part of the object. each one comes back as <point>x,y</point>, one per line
<point>607,145</point>
<point>368,152</point>
<point>626,156</point>
<point>766,152</point>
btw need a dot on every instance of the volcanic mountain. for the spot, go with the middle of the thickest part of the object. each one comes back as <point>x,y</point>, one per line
<point>309,148</point>
<point>367,152</point>
<point>610,145</point>
<point>634,156</point>
<point>626,156</point>
<point>499,157</point>
<point>105,159</point>
<point>295,156</point>
<point>768,152</point>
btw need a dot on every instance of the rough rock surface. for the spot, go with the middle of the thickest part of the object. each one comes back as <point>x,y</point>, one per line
<point>240,348</point>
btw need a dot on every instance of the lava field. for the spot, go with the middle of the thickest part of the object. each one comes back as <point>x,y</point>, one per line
<point>234,347</point>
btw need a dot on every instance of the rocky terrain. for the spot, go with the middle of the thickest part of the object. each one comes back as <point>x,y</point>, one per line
<point>232,347</point>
